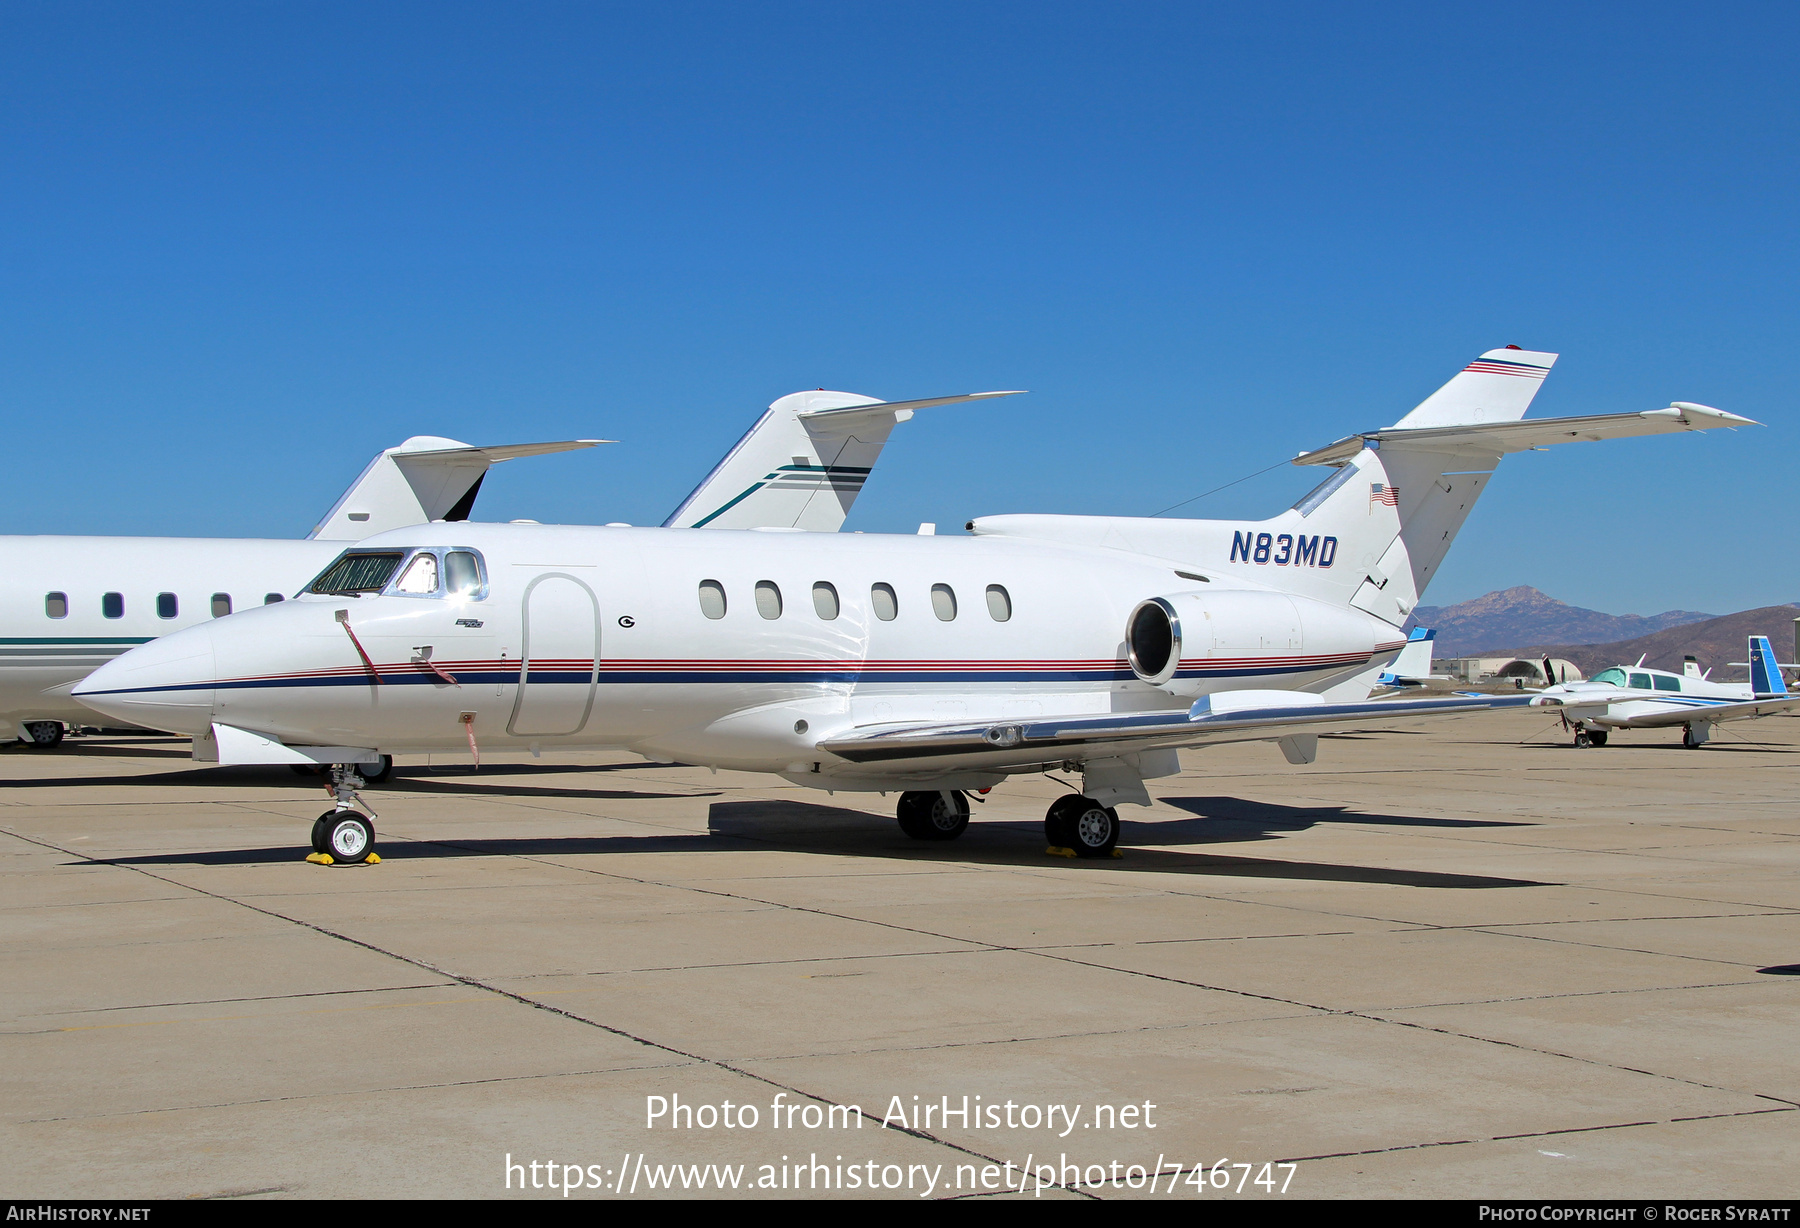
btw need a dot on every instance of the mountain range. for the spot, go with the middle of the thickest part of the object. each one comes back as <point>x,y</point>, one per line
<point>1501,621</point>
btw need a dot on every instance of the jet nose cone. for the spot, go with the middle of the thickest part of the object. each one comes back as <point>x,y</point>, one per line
<point>165,684</point>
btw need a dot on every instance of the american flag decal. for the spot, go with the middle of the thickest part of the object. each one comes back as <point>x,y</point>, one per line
<point>1388,495</point>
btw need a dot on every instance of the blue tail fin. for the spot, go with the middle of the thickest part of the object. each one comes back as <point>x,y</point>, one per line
<point>1765,674</point>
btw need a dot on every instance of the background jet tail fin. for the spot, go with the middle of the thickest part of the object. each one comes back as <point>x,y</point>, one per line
<point>1414,661</point>
<point>424,479</point>
<point>1765,673</point>
<point>1497,387</point>
<point>802,464</point>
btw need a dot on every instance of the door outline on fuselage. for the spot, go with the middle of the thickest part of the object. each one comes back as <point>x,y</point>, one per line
<point>587,709</point>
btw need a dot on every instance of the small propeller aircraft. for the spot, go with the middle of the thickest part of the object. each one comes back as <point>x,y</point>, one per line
<point>1638,698</point>
<point>932,666</point>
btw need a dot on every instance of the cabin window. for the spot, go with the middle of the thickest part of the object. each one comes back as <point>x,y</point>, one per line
<point>462,574</point>
<point>112,605</point>
<point>1666,684</point>
<point>943,601</point>
<point>825,600</point>
<point>221,604</point>
<point>768,599</point>
<point>1640,682</point>
<point>712,599</point>
<point>887,606</point>
<point>420,577</point>
<point>357,572</point>
<point>999,603</point>
<point>272,598</point>
<point>56,605</point>
<point>167,606</point>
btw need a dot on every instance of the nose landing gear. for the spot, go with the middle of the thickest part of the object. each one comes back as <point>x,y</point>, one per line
<point>345,834</point>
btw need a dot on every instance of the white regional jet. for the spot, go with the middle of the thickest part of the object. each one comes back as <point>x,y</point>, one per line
<point>1639,698</point>
<point>926,665</point>
<point>73,603</point>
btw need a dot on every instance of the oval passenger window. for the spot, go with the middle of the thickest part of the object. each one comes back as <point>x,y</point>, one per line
<point>221,604</point>
<point>712,599</point>
<point>943,601</point>
<point>999,604</point>
<point>112,605</point>
<point>56,605</point>
<point>825,600</point>
<point>768,599</point>
<point>887,607</point>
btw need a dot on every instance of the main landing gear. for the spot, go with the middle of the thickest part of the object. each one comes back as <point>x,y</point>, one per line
<point>45,734</point>
<point>345,834</point>
<point>1083,825</point>
<point>937,815</point>
<point>1585,738</point>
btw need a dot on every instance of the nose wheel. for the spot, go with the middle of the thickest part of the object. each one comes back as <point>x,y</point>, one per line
<point>344,835</point>
<point>1083,825</point>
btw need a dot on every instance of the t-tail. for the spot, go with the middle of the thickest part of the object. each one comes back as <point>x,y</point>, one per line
<point>1765,671</point>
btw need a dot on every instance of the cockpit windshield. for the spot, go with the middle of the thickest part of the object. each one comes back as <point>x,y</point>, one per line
<point>1615,676</point>
<point>357,571</point>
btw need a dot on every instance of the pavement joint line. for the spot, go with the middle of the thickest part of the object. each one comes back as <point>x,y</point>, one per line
<point>274,997</point>
<point>523,1000</point>
<point>1580,993</point>
<point>1496,1138</point>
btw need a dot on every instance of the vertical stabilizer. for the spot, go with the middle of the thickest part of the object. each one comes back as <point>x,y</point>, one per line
<point>1765,672</point>
<point>1497,387</point>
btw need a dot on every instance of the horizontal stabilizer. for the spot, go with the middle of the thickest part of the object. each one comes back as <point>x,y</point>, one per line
<point>1229,716</point>
<point>1500,438</point>
<point>424,479</point>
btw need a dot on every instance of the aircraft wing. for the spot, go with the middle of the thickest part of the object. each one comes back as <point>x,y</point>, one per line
<point>802,464</point>
<point>1500,438</point>
<point>424,479</point>
<point>1665,711</point>
<point>1232,716</point>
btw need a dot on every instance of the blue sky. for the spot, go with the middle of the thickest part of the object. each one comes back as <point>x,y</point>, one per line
<point>244,246</point>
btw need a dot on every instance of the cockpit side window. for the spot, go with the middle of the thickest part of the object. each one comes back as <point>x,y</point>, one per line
<point>1666,683</point>
<point>421,576</point>
<point>357,571</point>
<point>462,574</point>
<point>1640,682</point>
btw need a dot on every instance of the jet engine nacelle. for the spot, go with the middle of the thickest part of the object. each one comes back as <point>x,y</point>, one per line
<point>1202,642</point>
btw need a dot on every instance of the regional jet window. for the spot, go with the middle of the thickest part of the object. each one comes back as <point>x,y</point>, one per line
<point>56,605</point>
<point>999,603</point>
<point>462,574</point>
<point>420,579</point>
<point>167,606</point>
<point>1666,684</point>
<point>353,572</point>
<point>1640,682</point>
<point>768,599</point>
<point>887,606</point>
<point>112,605</point>
<point>825,600</point>
<point>221,604</point>
<point>712,599</point>
<point>272,598</point>
<point>943,601</point>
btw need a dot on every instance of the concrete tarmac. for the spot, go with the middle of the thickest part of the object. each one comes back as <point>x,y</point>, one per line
<point>1470,962</point>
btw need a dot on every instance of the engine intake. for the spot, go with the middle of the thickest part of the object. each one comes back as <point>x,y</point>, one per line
<point>1153,640</point>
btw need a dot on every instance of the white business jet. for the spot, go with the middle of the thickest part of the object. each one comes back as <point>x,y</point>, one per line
<point>74,603</point>
<point>927,665</point>
<point>1639,698</point>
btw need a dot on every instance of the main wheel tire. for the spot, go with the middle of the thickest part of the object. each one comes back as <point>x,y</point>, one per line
<point>45,734</point>
<point>321,832</point>
<point>348,836</point>
<point>927,816</point>
<point>1096,830</point>
<point>1687,739</point>
<point>1583,739</point>
<point>1059,821</point>
<point>1599,737</point>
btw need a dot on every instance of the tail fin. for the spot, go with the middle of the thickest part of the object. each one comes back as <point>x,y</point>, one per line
<point>1765,672</point>
<point>1414,661</point>
<point>1497,387</point>
<point>802,464</point>
<point>1690,666</point>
